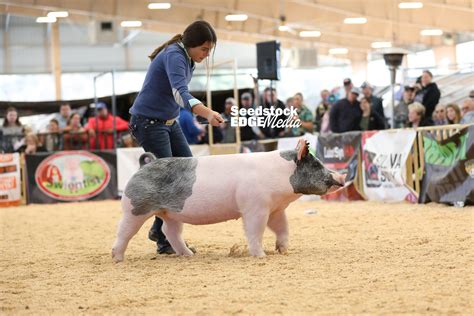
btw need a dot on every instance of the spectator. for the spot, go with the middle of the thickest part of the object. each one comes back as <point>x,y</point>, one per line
<point>75,136</point>
<point>347,86</point>
<point>453,113</point>
<point>12,131</point>
<point>270,99</point>
<point>249,132</point>
<point>63,116</point>
<point>370,120</point>
<point>430,95</point>
<point>416,114</point>
<point>191,130</point>
<point>322,108</point>
<point>32,145</point>
<point>467,111</point>
<point>304,115</point>
<point>439,115</point>
<point>228,132</point>
<point>290,102</point>
<point>401,110</point>
<point>345,115</point>
<point>375,102</point>
<point>103,125</point>
<point>52,140</point>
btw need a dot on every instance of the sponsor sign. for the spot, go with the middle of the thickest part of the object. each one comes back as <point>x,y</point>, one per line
<point>71,176</point>
<point>449,168</point>
<point>340,152</point>
<point>384,156</point>
<point>10,180</point>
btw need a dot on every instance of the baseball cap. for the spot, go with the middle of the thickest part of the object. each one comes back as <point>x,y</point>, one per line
<point>347,81</point>
<point>355,90</point>
<point>100,105</point>
<point>246,95</point>
<point>365,85</point>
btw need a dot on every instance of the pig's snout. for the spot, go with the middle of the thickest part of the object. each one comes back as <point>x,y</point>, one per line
<point>338,179</point>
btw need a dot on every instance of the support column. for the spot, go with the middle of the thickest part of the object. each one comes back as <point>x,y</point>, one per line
<point>7,60</point>
<point>56,58</point>
<point>359,68</point>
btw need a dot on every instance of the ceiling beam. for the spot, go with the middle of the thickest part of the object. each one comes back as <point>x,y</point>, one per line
<point>349,13</point>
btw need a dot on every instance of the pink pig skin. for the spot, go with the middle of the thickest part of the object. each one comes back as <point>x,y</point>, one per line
<point>254,186</point>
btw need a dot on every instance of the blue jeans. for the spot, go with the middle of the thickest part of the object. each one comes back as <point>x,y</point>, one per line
<point>163,141</point>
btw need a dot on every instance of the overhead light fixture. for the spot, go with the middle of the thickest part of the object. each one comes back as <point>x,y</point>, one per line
<point>410,5</point>
<point>159,6</point>
<point>355,20</point>
<point>58,14</point>
<point>236,17</point>
<point>433,32</point>
<point>310,34</point>
<point>131,23</point>
<point>338,51</point>
<point>46,19</point>
<point>381,44</point>
<point>283,28</point>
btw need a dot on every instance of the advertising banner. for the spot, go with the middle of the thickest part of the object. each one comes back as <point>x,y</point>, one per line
<point>384,156</point>
<point>340,152</point>
<point>10,179</point>
<point>449,168</point>
<point>71,176</point>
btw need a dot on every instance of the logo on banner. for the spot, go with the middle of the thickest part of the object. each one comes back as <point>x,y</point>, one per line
<point>72,176</point>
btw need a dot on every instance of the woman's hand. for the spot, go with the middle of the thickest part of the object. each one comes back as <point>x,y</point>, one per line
<point>215,119</point>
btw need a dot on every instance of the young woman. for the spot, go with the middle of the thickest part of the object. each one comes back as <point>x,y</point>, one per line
<point>12,131</point>
<point>156,109</point>
<point>453,113</point>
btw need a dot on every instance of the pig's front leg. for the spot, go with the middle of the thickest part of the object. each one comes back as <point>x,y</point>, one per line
<point>172,230</point>
<point>255,220</point>
<point>278,223</point>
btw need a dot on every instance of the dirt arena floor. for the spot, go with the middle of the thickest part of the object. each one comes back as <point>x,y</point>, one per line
<point>355,258</point>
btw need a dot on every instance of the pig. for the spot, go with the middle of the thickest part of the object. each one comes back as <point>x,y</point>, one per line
<point>257,187</point>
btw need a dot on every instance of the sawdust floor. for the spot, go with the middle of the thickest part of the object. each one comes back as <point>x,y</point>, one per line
<point>358,257</point>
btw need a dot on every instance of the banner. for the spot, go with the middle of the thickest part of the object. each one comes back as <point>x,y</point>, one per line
<point>10,180</point>
<point>340,152</point>
<point>384,156</point>
<point>127,162</point>
<point>449,168</point>
<point>71,176</point>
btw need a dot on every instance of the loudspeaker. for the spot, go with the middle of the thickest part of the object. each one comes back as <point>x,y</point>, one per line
<point>268,60</point>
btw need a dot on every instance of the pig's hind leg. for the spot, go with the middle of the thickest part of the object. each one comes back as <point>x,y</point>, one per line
<point>172,230</point>
<point>128,226</point>
<point>255,220</point>
<point>278,223</point>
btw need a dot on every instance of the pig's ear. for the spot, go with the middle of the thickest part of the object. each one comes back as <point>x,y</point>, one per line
<point>302,149</point>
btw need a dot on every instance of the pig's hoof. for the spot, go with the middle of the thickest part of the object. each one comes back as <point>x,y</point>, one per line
<point>282,249</point>
<point>258,253</point>
<point>116,257</point>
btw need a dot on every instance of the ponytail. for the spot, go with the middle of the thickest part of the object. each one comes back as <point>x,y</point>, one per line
<point>174,39</point>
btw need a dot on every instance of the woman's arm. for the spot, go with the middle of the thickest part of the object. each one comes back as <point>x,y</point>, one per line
<point>214,118</point>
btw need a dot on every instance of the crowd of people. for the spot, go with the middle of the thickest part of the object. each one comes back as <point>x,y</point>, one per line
<point>358,110</point>
<point>67,130</point>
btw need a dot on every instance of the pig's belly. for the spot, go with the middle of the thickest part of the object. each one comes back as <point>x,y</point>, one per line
<point>199,210</point>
